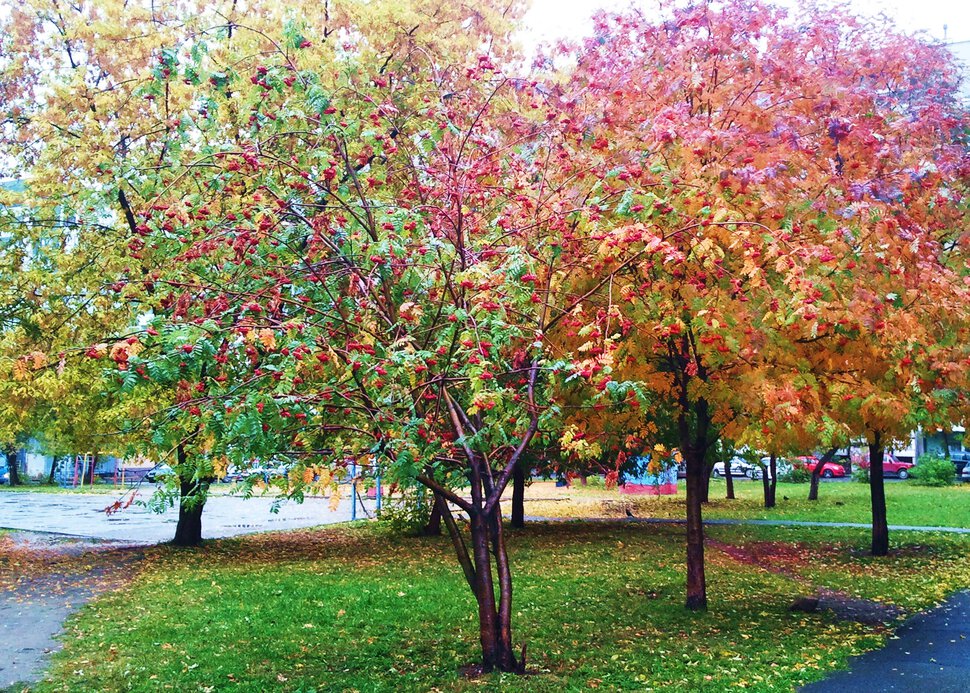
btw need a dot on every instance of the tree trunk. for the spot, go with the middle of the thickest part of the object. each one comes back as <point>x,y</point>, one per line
<point>946,443</point>
<point>877,492</point>
<point>817,473</point>
<point>696,582</point>
<point>188,531</point>
<point>53,473</point>
<point>729,479</point>
<point>192,495</point>
<point>433,527</point>
<point>705,489</point>
<point>13,466</point>
<point>694,445</point>
<point>494,618</point>
<point>518,496</point>
<point>766,486</point>
<point>772,481</point>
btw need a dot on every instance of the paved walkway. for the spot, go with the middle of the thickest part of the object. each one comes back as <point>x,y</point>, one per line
<point>770,523</point>
<point>82,515</point>
<point>931,652</point>
<point>53,577</point>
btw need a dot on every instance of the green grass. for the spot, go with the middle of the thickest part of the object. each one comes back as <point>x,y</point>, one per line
<point>907,504</point>
<point>599,605</point>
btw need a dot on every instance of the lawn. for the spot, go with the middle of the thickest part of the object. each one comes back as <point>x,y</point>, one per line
<point>839,501</point>
<point>355,608</point>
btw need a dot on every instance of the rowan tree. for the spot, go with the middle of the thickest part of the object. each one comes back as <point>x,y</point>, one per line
<point>91,110</point>
<point>724,136</point>
<point>347,251</point>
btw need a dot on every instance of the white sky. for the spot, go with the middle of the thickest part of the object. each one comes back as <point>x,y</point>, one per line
<point>551,19</point>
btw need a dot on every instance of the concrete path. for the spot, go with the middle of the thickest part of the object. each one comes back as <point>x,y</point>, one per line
<point>61,526</point>
<point>82,515</point>
<point>931,652</point>
<point>43,579</point>
<point>770,523</point>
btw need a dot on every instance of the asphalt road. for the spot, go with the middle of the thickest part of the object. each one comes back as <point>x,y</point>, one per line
<point>82,515</point>
<point>930,653</point>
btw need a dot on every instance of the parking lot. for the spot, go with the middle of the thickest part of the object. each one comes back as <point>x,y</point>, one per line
<point>83,515</point>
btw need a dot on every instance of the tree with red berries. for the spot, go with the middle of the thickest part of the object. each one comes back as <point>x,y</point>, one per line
<point>733,206</point>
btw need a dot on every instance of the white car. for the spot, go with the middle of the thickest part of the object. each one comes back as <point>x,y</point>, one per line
<point>739,467</point>
<point>782,466</point>
<point>965,474</point>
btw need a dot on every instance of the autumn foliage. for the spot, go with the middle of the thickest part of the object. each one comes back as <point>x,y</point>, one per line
<point>345,240</point>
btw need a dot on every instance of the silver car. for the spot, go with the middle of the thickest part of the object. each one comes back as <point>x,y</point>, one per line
<point>965,474</point>
<point>739,467</point>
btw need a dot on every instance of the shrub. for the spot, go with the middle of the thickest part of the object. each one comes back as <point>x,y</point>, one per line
<point>407,515</point>
<point>860,468</point>
<point>933,470</point>
<point>795,475</point>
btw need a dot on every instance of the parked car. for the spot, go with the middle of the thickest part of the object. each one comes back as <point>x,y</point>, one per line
<point>739,467</point>
<point>233,474</point>
<point>158,473</point>
<point>965,474</point>
<point>4,475</point>
<point>829,469</point>
<point>892,465</point>
<point>268,471</point>
<point>782,466</point>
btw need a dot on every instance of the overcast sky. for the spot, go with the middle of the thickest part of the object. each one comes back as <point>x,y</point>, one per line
<point>550,19</point>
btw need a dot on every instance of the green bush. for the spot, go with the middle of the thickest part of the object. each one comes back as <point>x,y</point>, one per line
<point>933,470</point>
<point>407,515</point>
<point>795,475</point>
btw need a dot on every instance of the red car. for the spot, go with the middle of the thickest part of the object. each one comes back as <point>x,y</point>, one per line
<point>829,469</point>
<point>890,465</point>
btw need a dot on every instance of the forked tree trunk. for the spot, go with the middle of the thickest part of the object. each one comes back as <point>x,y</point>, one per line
<point>484,564</point>
<point>12,466</point>
<point>729,479</point>
<point>877,492</point>
<point>817,473</point>
<point>518,497</point>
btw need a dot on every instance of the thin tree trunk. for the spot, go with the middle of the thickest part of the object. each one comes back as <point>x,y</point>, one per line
<point>12,466</point>
<point>53,472</point>
<point>729,479</point>
<point>766,486</point>
<point>946,443</point>
<point>817,473</point>
<point>877,492</point>
<point>772,481</point>
<point>518,496</point>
